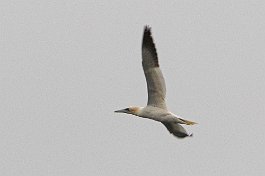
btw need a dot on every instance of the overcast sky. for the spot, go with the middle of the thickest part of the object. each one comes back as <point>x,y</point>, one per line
<point>65,66</point>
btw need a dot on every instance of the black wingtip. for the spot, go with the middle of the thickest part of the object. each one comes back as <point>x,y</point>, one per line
<point>148,42</point>
<point>147,32</point>
<point>147,29</point>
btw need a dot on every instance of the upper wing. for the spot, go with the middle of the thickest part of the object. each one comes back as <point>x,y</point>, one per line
<point>155,81</point>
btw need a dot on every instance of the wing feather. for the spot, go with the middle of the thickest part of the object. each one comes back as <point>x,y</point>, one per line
<point>176,129</point>
<point>155,81</point>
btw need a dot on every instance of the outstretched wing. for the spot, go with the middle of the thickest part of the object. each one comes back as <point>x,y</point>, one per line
<point>177,130</point>
<point>155,81</point>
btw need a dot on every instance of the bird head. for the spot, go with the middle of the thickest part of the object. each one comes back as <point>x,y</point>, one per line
<point>129,110</point>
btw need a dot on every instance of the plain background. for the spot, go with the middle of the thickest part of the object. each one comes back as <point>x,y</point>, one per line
<point>65,66</point>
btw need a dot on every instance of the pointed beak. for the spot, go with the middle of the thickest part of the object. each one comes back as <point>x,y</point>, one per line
<point>121,111</point>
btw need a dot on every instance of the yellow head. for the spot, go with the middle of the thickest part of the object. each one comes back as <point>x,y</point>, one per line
<point>130,110</point>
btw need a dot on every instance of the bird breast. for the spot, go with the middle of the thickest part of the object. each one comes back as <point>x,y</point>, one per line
<point>156,114</point>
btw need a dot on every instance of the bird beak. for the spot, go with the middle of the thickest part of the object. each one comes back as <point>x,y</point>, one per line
<point>121,111</point>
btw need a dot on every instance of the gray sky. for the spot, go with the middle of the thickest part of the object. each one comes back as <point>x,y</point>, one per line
<point>65,66</point>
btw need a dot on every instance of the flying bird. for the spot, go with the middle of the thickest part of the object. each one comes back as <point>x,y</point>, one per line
<point>156,108</point>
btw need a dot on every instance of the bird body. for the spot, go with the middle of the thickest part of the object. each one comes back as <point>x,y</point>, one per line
<point>158,114</point>
<point>156,108</point>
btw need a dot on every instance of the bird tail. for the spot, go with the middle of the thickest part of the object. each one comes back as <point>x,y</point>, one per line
<point>187,122</point>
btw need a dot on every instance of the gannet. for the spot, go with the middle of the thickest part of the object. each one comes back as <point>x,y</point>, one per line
<point>156,108</point>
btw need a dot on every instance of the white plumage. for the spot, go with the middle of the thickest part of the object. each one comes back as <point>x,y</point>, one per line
<point>156,108</point>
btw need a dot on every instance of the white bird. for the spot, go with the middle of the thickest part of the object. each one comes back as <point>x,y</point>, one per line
<point>156,108</point>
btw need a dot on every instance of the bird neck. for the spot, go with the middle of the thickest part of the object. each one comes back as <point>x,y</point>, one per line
<point>136,110</point>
